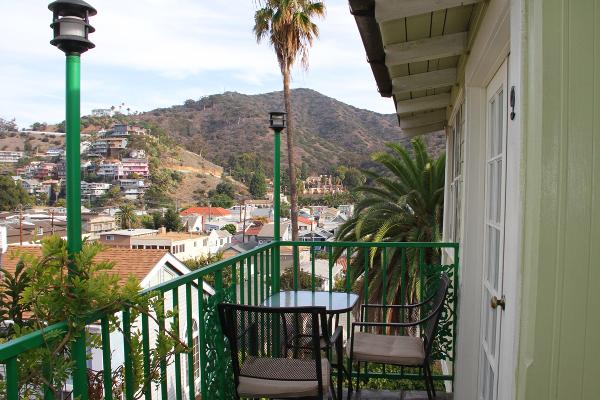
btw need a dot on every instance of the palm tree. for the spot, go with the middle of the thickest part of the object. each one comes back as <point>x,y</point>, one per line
<point>403,204</point>
<point>290,30</point>
<point>127,215</point>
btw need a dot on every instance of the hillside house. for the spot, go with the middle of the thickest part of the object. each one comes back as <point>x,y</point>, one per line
<point>135,166</point>
<point>123,237</point>
<point>266,232</point>
<point>93,190</point>
<point>132,189</point>
<point>10,157</point>
<point>94,224</point>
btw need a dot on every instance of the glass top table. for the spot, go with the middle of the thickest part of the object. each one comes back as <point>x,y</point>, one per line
<point>334,302</point>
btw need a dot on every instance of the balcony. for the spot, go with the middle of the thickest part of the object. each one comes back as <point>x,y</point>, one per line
<point>204,369</point>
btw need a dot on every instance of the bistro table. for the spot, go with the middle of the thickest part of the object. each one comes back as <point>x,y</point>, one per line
<point>335,303</point>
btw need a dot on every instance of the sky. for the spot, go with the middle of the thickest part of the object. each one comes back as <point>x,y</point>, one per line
<point>158,53</point>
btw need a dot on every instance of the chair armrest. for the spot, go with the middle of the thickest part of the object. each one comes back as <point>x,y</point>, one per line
<point>371,305</point>
<point>388,324</point>
<point>337,336</point>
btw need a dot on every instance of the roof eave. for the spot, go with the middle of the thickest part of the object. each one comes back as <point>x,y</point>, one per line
<point>368,28</point>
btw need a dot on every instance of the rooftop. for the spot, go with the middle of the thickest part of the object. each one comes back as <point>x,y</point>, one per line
<point>212,211</point>
<point>127,262</point>
<point>131,232</point>
<point>173,236</point>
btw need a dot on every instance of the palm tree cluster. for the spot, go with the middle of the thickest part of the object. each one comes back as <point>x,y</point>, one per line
<point>289,27</point>
<point>403,203</point>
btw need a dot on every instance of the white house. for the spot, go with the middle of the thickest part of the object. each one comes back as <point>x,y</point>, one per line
<point>150,268</point>
<point>514,86</point>
<point>266,232</point>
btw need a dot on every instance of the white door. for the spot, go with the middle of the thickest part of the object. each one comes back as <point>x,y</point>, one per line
<point>493,262</point>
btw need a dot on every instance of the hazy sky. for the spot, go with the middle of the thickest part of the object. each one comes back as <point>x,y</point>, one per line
<point>156,53</point>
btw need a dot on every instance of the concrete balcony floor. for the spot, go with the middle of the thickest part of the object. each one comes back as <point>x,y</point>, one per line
<point>368,394</point>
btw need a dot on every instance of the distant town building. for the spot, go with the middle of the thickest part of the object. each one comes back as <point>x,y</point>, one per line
<point>55,152</point>
<point>10,157</point>
<point>101,112</point>
<point>94,190</point>
<point>94,224</point>
<point>132,188</point>
<point>322,184</point>
<point>138,166</point>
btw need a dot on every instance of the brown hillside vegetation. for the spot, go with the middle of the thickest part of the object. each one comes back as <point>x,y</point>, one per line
<point>329,132</point>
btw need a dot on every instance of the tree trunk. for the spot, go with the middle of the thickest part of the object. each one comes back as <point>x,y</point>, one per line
<point>290,150</point>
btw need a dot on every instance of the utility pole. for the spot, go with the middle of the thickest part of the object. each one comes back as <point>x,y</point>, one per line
<point>21,224</point>
<point>244,226</point>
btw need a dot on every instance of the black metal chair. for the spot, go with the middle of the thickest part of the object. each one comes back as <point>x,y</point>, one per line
<point>276,352</point>
<point>406,351</point>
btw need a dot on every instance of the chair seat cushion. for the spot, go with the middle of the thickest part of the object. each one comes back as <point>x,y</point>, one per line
<point>387,349</point>
<point>253,386</point>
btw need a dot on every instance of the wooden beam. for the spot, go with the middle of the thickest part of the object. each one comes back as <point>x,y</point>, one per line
<point>389,10</point>
<point>426,80</point>
<point>423,130</point>
<point>426,49</point>
<point>423,103</point>
<point>423,119</point>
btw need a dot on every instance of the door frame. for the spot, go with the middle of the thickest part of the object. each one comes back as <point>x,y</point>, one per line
<point>499,82</point>
<point>497,36</point>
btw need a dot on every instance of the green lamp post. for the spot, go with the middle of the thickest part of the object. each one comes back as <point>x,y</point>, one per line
<point>277,122</point>
<point>70,24</point>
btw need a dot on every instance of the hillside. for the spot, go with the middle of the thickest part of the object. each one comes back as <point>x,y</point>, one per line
<point>328,132</point>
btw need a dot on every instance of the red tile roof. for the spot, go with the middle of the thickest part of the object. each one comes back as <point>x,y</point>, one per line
<point>253,230</point>
<point>305,220</point>
<point>127,262</point>
<point>212,211</point>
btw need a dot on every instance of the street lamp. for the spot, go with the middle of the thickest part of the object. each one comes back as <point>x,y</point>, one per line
<point>277,122</point>
<point>71,27</point>
<point>70,24</point>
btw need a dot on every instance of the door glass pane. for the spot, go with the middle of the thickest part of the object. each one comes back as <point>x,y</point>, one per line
<point>498,189</point>
<point>499,133</point>
<point>490,190</point>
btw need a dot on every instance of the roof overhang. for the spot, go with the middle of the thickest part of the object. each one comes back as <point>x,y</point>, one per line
<point>417,50</point>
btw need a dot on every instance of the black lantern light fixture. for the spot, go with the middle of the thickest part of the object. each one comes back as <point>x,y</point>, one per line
<point>277,120</point>
<point>70,22</point>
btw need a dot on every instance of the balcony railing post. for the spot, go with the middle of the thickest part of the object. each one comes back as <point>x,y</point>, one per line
<point>276,209</point>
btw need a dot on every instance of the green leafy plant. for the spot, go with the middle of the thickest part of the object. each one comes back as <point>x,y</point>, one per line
<point>229,228</point>
<point>404,203</point>
<point>55,287</point>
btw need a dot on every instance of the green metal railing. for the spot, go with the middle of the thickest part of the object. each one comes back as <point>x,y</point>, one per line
<point>248,279</point>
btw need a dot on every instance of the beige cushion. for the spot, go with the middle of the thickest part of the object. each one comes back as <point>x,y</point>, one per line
<point>282,367</point>
<point>387,349</point>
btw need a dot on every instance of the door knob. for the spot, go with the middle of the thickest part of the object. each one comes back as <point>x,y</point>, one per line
<point>501,302</point>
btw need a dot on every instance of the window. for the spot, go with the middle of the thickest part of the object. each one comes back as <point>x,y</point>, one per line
<point>109,237</point>
<point>455,165</point>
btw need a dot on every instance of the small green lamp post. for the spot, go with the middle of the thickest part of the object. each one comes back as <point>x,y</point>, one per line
<point>277,122</point>
<point>70,24</point>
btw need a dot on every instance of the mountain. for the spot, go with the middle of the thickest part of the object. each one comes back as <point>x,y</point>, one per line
<point>328,132</point>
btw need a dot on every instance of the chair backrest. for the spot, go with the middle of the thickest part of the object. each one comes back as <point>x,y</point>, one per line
<point>262,338</point>
<point>437,307</point>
